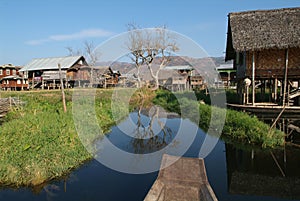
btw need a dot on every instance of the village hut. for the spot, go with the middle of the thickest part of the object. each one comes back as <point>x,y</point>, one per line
<point>265,47</point>
<point>44,72</point>
<point>11,79</point>
<point>98,76</point>
<point>173,78</point>
<point>227,74</point>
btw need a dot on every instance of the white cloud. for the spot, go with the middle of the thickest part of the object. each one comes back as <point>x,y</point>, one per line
<point>87,33</point>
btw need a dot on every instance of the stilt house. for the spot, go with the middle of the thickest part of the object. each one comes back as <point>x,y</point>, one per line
<point>44,72</point>
<point>11,79</point>
<point>265,47</point>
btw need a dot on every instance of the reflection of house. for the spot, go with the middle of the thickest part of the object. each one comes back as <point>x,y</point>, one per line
<point>269,173</point>
<point>44,72</point>
<point>11,79</point>
<point>265,47</point>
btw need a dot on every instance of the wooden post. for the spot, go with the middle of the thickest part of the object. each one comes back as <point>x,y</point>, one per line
<point>281,88</point>
<point>275,91</point>
<point>92,78</point>
<point>62,89</point>
<point>285,75</point>
<point>22,86</point>
<point>247,94</point>
<point>253,78</point>
<point>42,83</point>
<point>33,76</point>
<point>288,93</point>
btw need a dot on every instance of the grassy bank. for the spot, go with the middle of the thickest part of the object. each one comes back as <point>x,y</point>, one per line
<point>39,142</point>
<point>239,127</point>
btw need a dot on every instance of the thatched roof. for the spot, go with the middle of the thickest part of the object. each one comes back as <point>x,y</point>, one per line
<point>263,29</point>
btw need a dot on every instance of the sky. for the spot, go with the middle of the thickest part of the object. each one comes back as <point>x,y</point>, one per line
<point>44,28</point>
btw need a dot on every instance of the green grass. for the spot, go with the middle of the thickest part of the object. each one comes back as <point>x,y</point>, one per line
<point>239,127</point>
<point>39,142</point>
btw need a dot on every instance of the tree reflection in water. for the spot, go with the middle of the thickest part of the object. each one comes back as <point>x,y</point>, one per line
<point>154,134</point>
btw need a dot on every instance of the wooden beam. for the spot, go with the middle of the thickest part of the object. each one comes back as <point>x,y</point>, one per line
<point>253,78</point>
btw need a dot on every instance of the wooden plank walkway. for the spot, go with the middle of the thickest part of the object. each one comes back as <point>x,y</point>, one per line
<point>184,180</point>
<point>266,108</point>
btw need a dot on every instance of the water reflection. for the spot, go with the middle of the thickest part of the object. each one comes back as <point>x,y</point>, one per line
<point>289,124</point>
<point>136,144</point>
<point>153,134</point>
<point>273,173</point>
<point>234,173</point>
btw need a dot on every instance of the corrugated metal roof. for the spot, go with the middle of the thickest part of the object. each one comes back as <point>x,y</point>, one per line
<point>185,67</point>
<point>51,63</point>
<point>225,66</point>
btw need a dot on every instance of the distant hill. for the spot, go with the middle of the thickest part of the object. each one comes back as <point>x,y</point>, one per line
<point>125,67</point>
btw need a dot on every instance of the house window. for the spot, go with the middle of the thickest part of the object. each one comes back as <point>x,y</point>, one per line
<point>1,72</point>
<point>18,81</point>
<point>14,72</point>
<point>7,72</point>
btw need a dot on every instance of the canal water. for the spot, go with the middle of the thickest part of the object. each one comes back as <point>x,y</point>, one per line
<point>235,173</point>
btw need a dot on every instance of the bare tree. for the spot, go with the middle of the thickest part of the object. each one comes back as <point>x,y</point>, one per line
<point>149,45</point>
<point>92,57</point>
<point>73,52</point>
<point>135,46</point>
<point>89,53</point>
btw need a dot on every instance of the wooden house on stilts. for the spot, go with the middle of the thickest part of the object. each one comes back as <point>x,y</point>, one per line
<point>265,47</point>
<point>44,73</point>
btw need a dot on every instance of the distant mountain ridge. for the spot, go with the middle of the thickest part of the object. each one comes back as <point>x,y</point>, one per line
<point>125,67</point>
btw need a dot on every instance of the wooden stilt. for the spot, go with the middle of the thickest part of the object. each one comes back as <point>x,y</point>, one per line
<point>285,76</point>
<point>33,77</point>
<point>253,78</point>
<point>275,90</point>
<point>62,89</point>
<point>42,84</point>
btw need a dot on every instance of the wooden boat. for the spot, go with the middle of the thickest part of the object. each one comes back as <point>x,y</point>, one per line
<point>181,178</point>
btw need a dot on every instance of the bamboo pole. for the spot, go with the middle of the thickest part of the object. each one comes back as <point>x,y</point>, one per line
<point>285,75</point>
<point>62,89</point>
<point>278,165</point>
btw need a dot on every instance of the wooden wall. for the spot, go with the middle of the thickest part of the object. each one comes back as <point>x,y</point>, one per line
<point>271,63</point>
<point>13,84</point>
